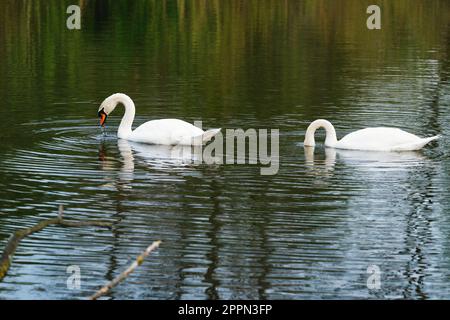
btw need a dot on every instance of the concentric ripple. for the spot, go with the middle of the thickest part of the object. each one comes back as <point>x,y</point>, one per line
<point>227,231</point>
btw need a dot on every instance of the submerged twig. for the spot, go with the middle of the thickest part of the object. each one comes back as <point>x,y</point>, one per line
<point>105,289</point>
<point>16,237</point>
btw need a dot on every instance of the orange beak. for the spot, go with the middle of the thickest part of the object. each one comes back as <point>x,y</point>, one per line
<point>102,115</point>
<point>102,119</point>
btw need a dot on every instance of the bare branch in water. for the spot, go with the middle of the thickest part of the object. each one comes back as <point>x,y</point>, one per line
<point>105,289</point>
<point>16,237</point>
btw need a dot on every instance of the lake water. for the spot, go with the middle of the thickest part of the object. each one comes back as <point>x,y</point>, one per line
<point>310,231</point>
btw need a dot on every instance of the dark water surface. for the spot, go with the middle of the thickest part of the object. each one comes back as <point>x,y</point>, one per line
<point>311,231</point>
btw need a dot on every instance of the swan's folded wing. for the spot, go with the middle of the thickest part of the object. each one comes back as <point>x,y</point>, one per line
<point>179,137</point>
<point>378,139</point>
<point>166,131</point>
<point>416,145</point>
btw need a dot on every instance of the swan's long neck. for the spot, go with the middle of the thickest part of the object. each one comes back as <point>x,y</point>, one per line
<point>330,139</point>
<point>127,120</point>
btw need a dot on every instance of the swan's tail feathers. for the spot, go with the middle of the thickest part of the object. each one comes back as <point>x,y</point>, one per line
<point>433,138</point>
<point>209,134</point>
<point>425,141</point>
<point>416,145</point>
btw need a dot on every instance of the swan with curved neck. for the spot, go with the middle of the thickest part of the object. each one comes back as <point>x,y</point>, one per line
<point>369,139</point>
<point>163,131</point>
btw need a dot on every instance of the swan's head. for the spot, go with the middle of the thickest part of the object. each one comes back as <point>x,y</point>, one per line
<point>108,105</point>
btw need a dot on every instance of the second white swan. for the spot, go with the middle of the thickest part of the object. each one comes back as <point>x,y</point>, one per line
<point>163,131</point>
<point>369,139</point>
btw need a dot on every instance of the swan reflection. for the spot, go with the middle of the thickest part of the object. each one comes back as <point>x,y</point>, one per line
<point>157,156</point>
<point>166,158</point>
<point>363,159</point>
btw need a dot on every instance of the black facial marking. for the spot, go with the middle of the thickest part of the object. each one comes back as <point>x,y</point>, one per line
<point>101,112</point>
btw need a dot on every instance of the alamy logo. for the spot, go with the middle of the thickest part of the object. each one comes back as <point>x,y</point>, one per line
<point>374,279</point>
<point>73,22</point>
<point>374,20</point>
<point>74,280</point>
<point>251,146</point>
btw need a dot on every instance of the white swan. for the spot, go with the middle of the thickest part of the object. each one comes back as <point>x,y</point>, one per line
<point>369,139</point>
<point>164,131</point>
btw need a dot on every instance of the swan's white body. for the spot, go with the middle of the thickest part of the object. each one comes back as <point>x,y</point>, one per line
<point>369,139</point>
<point>164,131</point>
